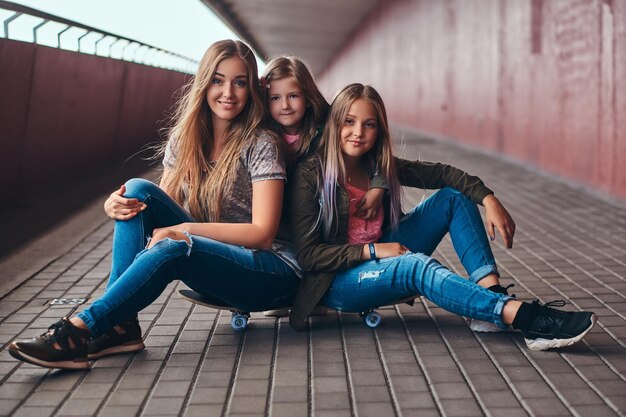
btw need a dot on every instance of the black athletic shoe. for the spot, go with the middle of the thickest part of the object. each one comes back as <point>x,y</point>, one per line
<point>70,351</point>
<point>488,327</point>
<point>123,338</point>
<point>552,328</point>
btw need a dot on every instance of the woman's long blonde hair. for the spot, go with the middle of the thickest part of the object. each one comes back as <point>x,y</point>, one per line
<point>379,159</point>
<point>317,107</point>
<point>192,134</point>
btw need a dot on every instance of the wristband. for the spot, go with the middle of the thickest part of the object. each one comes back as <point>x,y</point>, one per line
<point>372,251</point>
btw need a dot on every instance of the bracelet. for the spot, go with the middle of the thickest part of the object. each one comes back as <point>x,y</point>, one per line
<point>372,251</point>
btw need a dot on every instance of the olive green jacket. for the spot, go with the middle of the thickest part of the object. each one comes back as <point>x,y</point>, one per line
<point>320,260</point>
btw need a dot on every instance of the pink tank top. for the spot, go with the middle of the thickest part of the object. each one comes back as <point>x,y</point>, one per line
<point>360,230</point>
<point>292,142</point>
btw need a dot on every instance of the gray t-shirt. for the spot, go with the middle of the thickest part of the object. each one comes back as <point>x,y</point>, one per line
<point>263,160</point>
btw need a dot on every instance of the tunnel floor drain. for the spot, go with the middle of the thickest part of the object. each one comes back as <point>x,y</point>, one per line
<point>67,301</point>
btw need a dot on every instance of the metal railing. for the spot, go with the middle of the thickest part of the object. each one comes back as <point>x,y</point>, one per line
<point>119,47</point>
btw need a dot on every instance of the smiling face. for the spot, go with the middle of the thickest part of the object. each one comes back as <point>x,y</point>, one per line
<point>287,104</point>
<point>228,91</point>
<point>360,129</point>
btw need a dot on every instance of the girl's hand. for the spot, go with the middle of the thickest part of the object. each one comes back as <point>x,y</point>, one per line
<point>384,250</point>
<point>497,216</point>
<point>370,203</point>
<point>172,232</point>
<point>120,208</point>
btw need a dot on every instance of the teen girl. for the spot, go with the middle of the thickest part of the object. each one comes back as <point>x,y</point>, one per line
<point>352,268</point>
<point>212,222</point>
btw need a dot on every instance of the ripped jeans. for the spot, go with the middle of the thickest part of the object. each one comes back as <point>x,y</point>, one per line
<point>382,282</point>
<point>252,280</point>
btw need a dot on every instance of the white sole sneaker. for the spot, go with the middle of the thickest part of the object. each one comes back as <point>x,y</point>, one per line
<point>544,344</point>
<point>480,326</point>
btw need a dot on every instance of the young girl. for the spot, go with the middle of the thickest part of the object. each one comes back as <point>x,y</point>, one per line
<point>212,223</point>
<point>297,111</point>
<point>352,269</point>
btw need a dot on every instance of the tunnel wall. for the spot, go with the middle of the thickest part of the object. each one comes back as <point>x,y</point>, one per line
<point>65,113</point>
<point>540,81</point>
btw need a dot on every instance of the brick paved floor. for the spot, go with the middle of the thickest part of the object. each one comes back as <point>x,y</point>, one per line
<point>421,361</point>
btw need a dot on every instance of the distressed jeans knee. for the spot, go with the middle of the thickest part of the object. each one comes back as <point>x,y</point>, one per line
<point>376,283</point>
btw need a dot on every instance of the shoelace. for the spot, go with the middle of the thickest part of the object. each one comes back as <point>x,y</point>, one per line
<point>550,312</point>
<point>54,331</point>
<point>555,303</point>
<point>507,290</point>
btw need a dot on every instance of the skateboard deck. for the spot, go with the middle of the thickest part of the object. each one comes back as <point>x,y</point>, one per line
<point>239,318</point>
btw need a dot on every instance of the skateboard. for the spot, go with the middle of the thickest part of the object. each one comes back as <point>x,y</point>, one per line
<point>239,319</point>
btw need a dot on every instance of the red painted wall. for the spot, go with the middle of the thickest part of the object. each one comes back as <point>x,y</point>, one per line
<point>543,81</point>
<point>64,113</point>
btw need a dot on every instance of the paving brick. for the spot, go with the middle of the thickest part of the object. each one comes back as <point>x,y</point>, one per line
<point>251,387</point>
<point>248,404</point>
<point>80,407</point>
<point>213,379</point>
<point>127,397</point>
<point>371,393</point>
<point>333,413</point>
<point>361,378</point>
<point>415,383</point>
<point>119,411</point>
<point>204,410</point>
<point>131,381</point>
<point>547,407</point>
<point>26,411</point>
<point>290,394</point>
<point>415,400</point>
<point>171,389</point>
<point>208,395</point>
<point>254,372</point>
<point>461,407</point>
<point>163,406</point>
<point>376,410</point>
<point>290,410</point>
<point>330,384</point>
<point>331,401</point>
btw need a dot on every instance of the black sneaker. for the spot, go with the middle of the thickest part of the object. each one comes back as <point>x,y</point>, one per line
<point>123,338</point>
<point>63,346</point>
<point>552,328</point>
<point>488,327</point>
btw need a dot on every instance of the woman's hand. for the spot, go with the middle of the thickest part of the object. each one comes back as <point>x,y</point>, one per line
<point>120,208</point>
<point>173,232</point>
<point>370,203</point>
<point>496,216</point>
<point>384,250</point>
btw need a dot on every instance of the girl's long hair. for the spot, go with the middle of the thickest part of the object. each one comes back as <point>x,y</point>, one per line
<point>317,107</point>
<point>192,135</point>
<point>379,159</point>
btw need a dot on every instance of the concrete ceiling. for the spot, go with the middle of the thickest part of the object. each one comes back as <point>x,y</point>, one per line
<point>313,30</point>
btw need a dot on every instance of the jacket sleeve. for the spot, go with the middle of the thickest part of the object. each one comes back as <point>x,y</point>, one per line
<point>379,181</point>
<point>303,211</point>
<point>435,175</point>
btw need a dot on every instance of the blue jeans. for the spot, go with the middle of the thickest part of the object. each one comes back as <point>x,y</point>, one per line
<point>448,210</point>
<point>251,280</point>
<point>376,283</point>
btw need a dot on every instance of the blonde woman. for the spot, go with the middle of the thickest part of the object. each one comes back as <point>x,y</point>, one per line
<point>354,264</point>
<point>212,222</point>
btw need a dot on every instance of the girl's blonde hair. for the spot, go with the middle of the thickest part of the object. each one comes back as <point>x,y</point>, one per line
<point>379,159</point>
<point>317,107</point>
<point>192,135</point>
